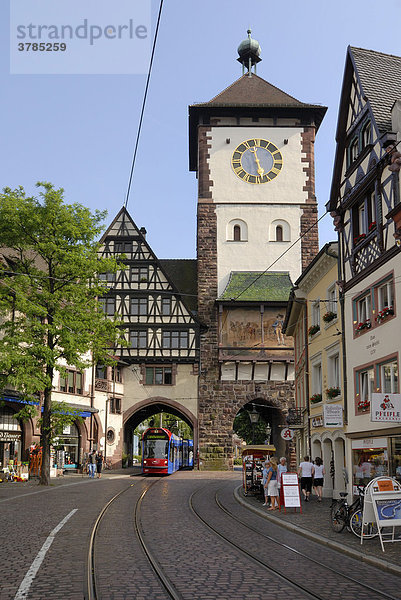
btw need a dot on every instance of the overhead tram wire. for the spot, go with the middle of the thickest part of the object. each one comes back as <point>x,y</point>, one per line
<point>143,104</point>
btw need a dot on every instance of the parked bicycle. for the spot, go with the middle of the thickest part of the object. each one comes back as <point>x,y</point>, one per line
<point>351,515</point>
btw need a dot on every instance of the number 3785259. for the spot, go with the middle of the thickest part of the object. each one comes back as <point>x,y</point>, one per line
<point>42,47</point>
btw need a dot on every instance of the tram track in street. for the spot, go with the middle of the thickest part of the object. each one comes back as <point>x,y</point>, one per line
<point>371,592</point>
<point>93,592</point>
<point>302,555</point>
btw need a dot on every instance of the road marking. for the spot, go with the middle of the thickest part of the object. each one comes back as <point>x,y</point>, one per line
<point>34,568</point>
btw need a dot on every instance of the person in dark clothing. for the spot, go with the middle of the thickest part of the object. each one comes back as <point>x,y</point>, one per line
<point>99,464</point>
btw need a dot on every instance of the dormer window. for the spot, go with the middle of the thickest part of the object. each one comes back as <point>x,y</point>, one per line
<point>366,134</point>
<point>353,151</point>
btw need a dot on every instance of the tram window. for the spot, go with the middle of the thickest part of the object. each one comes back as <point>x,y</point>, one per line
<point>155,449</point>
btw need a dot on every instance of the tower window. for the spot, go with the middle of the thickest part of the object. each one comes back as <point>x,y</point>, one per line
<point>279,233</point>
<point>237,233</point>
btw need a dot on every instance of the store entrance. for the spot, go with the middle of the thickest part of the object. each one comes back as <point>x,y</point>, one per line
<point>10,438</point>
<point>67,447</point>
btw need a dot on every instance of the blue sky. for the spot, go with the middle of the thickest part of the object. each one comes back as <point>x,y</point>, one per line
<point>78,131</point>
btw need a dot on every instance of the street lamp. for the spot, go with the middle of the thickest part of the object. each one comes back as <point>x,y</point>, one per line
<point>254,418</point>
<point>268,433</point>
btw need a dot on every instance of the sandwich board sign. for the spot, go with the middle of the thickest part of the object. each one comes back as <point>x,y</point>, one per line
<point>382,504</point>
<point>289,491</point>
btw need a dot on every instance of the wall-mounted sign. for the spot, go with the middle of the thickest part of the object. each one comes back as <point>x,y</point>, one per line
<point>317,422</point>
<point>287,434</point>
<point>333,415</point>
<point>10,436</point>
<point>385,407</point>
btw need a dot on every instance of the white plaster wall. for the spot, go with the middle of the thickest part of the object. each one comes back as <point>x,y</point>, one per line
<point>376,343</point>
<point>257,205</point>
<point>286,187</point>
<point>184,392</point>
<point>258,253</point>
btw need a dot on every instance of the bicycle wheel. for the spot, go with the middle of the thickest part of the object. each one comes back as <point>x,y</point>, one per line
<point>338,517</point>
<point>370,530</point>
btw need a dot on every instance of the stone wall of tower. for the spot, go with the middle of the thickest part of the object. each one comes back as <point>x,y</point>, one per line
<point>309,227</point>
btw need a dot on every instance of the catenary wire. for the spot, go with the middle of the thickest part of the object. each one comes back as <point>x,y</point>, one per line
<point>143,104</point>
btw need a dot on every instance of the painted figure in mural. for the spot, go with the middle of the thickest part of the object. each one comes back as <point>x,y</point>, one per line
<point>278,329</point>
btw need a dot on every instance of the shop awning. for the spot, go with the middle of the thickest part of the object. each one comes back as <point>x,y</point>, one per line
<point>81,410</point>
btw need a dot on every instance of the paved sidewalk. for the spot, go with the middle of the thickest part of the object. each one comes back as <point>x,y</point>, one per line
<point>314,523</point>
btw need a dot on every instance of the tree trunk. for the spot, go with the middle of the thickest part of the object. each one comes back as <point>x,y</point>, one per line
<point>45,438</point>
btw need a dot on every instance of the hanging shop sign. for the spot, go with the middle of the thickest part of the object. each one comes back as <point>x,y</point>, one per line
<point>287,434</point>
<point>10,436</point>
<point>317,422</point>
<point>333,415</point>
<point>385,407</point>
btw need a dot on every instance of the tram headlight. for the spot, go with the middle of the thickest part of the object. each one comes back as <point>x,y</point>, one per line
<point>144,462</point>
<point>166,462</point>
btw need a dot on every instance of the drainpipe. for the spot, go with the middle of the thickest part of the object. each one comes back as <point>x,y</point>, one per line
<point>306,341</point>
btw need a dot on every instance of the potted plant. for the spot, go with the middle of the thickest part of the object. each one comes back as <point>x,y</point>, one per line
<point>313,329</point>
<point>359,238</point>
<point>363,405</point>
<point>329,316</point>
<point>333,392</point>
<point>383,314</point>
<point>363,325</point>
<point>316,398</point>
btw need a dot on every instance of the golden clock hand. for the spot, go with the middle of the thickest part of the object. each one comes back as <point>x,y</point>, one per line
<point>260,168</point>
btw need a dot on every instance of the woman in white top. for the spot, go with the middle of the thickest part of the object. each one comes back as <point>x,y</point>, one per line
<point>281,468</point>
<point>318,476</point>
<point>305,471</point>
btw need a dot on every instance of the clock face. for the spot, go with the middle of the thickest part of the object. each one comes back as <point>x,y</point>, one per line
<point>257,161</point>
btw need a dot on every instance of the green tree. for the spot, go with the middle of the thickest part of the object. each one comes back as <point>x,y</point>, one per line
<point>49,289</point>
<point>252,434</point>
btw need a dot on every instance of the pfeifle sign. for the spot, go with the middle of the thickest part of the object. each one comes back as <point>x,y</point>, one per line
<point>289,491</point>
<point>385,407</point>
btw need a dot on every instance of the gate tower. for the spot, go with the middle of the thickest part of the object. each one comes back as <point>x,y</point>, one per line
<point>252,147</point>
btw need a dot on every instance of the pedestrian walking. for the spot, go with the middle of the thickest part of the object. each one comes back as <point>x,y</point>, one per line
<point>99,464</point>
<point>305,472</point>
<point>281,468</point>
<point>272,488</point>
<point>318,477</point>
<point>264,482</point>
<point>92,464</point>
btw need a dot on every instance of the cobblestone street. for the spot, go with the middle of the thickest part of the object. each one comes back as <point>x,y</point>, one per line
<point>208,539</point>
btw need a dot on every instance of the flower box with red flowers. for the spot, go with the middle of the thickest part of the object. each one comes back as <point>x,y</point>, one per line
<point>316,398</point>
<point>329,316</point>
<point>383,314</point>
<point>363,325</point>
<point>333,392</point>
<point>372,225</point>
<point>359,238</point>
<point>313,329</point>
<point>363,405</point>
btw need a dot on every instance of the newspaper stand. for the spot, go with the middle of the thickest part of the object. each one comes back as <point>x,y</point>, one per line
<point>382,504</point>
<point>253,458</point>
<point>289,492</point>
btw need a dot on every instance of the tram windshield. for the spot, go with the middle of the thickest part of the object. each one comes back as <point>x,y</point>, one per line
<point>155,449</point>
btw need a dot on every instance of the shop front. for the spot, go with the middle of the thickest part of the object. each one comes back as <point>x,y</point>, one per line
<point>10,438</point>
<point>67,447</point>
<point>375,457</point>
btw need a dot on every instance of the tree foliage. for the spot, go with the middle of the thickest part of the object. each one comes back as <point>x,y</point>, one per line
<point>49,289</point>
<point>252,434</point>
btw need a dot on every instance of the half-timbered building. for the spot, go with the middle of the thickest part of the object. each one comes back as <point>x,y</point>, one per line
<point>156,303</point>
<point>364,199</point>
